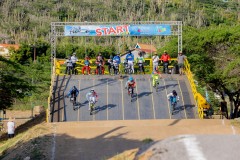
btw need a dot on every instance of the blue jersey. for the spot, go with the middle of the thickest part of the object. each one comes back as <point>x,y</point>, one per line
<point>130,57</point>
<point>117,59</point>
<point>71,90</point>
<point>173,99</point>
<point>86,62</point>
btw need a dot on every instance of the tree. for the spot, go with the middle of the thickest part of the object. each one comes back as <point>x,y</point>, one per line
<point>227,81</point>
<point>216,61</point>
<point>12,85</point>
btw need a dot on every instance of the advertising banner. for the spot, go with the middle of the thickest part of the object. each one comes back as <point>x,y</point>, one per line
<point>117,30</point>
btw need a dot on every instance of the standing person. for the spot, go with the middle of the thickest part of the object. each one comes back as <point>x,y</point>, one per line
<point>130,60</point>
<point>181,58</point>
<point>116,62</point>
<point>86,65</point>
<point>140,61</point>
<point>69,65</point>
<point>11,127</point>
<point>100,63</point>
<point>110,64</point>
<point>165,58</point>
<point>155,60</point>
<point>74,59</point>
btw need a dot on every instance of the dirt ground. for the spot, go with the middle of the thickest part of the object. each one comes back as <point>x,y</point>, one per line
<point>32,137</point>
<point>106,139</point>
<point>116,140</point>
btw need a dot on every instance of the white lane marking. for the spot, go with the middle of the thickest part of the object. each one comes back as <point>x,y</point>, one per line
<point>153,105</point>
<point>54,141</point>
<point>107,99</point>
<point>193,150</point>
<point>89,103</point>
<point>79,87</point>
<point>169,111</point>
<point>182,99</point>
<point>138,107</point>
<point>233,130</point>
<point>122,100</point>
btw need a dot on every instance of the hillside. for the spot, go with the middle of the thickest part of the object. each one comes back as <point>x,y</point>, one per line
<point>29,20</point>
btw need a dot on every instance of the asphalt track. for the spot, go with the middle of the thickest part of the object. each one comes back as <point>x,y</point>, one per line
<point>115,104</point>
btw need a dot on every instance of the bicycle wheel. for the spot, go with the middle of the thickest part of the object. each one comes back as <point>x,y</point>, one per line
<point>130,71</point>
<point>91,108</point>
<point>125,71</point>
<point>68,71</point>
<point>173,107</point>
<point>111,71</point>
<point>76,72</point>
<point>156,86</point>
<point>99,71</point>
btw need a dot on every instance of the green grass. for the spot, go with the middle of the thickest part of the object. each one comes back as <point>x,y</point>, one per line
<point>6,144</point>
<point>29,106</point>
<point>147,140</point>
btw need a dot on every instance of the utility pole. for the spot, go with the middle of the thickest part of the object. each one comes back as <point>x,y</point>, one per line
<point>34,54</point>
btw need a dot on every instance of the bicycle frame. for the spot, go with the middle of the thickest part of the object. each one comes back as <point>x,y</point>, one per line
<point>73,99</point>
<point>140,66</point>
<point>173,105</point>
<point>130,90</point>
<point>91,104</point>
<point>69,70</point>
<point>127,69</point>
<point>157,82</point>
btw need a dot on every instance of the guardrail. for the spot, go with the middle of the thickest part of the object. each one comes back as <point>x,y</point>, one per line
<point>60,66</point>
<point>51,90</point>
<point>201,102</point>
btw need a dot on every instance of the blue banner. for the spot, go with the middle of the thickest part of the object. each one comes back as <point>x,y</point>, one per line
<point>118,30</point>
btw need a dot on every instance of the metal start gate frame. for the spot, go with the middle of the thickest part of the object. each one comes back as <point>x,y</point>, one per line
<point>57,30</point>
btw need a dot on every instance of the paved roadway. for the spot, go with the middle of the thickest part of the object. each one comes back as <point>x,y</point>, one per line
<point>114,102</point>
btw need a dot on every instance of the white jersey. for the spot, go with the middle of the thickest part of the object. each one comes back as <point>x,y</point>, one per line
<point>74,59</point>
<point>68,62</point>
<point>155,59</point>
<point>11,127</point>
<point>171,94</point>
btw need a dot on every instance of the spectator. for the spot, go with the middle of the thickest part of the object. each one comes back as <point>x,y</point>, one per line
<point>117,58</point>
<point>116,62</point>
<point>130,60</point>
<point>155,60</point>
<point>68,62</point>
<point>11,127</point>
<point>100,63</point>
<point>181,58</point>
<point>140,61</point>
<point>110,64</point>
<point>74,59</point>
<point>165,58</point>
<point>86,65</point>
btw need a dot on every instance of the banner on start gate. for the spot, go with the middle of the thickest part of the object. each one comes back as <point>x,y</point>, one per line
<point>117,30</point>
